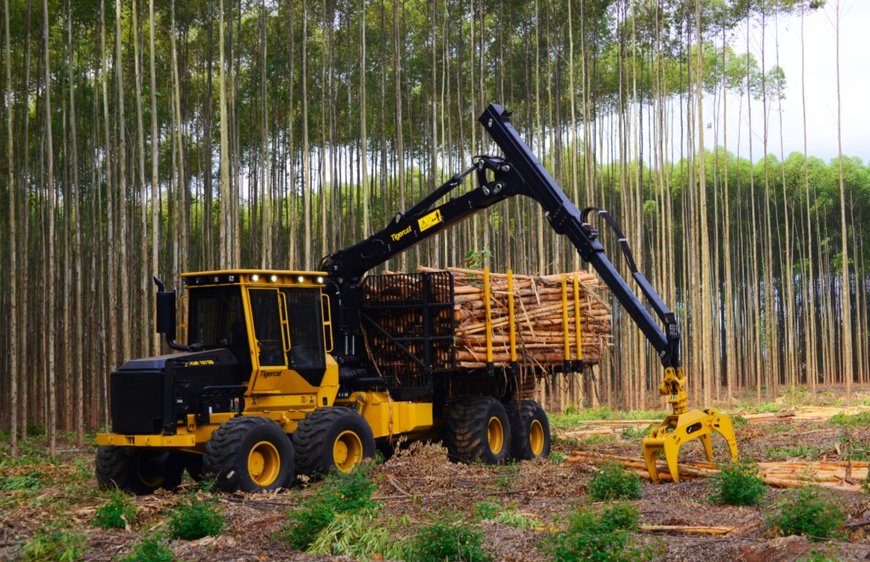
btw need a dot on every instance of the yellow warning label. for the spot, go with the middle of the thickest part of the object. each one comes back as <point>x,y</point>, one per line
<point>430,220</point>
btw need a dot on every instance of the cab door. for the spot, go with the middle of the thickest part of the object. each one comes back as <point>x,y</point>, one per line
<point>270,336</point>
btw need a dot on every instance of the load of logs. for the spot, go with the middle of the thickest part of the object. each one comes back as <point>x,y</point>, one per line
<point>549,313</point>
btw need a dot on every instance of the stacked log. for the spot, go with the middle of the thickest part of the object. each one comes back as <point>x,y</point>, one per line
<point>539,319</point>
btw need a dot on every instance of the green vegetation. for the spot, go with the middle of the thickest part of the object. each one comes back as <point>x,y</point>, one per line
<point>55,544</point>
<point>117,513</point>
<point>636,432</point>
<point>448,539</point>
<point>571,417</point>
<point>359,534</point>
<point>556,457</point>
<point>739,421</point>
<point>818,556</point>
<point>195,518</point>
<point>346,493</point>
<point>807,512</point>
<point>738,484</point>
<point>597,536</point>
<point>799,451</point>
<point>612,482</point>
<point>861,419</point>
<point>23,481</point>
<point>494,511</point>
<point>151,549</point>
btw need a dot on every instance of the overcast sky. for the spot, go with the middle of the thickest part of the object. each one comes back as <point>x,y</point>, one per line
<point>821,84</point>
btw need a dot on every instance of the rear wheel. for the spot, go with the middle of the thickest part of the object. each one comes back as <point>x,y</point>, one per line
<point>249,453</point>
<point>333,440</point>
<point>138,470</point>
<point>531,430</point>
<point>478,430</point>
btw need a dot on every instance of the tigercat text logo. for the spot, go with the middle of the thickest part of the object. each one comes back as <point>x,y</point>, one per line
<point>401,234</point>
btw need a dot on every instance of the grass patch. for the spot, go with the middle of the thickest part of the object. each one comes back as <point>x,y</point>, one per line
<point>571,417</point>
<point>637,433</point>
<point>117,513</point>
<point>598,536</point>
<point>335,495</point>
<point>739,421</point>
<point>359,534</point>
<point>194,519</point>
<point>613,482</point>
<point>151,549</point>
<point>556,457</point>
<point>809,513</point>
<point>448,539</point>
<point>599,439</point>
<point>52,543</point>
<point>32,480</point>
<point>517,520</point>
<point>738,484</point>
<point>861,419</point>
<point>799,451</point>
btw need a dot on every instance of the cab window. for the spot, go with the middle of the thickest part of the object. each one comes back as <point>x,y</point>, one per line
<point>267,327</point>
<point>307,354</point>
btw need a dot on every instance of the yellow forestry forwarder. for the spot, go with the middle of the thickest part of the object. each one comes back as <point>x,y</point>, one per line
<point>277,377</point>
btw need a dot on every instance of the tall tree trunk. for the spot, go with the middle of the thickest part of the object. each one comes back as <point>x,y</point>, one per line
<point>155,155</point>
<point>50,273</point>
<point>14,410</point>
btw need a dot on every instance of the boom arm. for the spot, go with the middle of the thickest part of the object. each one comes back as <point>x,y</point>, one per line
<point>520,173</point>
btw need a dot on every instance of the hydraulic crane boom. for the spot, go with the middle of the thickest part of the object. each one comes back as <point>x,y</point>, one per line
<point>521,173</point>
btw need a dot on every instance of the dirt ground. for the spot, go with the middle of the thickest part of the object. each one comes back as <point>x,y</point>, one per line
<point>419,484</point>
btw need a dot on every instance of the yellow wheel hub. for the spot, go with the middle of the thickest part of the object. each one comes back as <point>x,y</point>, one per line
<point>264,463</point>
<point>148,470</point>
<point>536,437</point>
<point>495,435</point>
<point>347,451</point>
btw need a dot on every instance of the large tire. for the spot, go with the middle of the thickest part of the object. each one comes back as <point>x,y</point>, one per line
<point>478,430</point>
<point>248,453</point>
<point>138,470</point>
<point>333,440</point>
<point>530,429</point>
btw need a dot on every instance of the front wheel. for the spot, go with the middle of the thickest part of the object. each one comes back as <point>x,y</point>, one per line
<point>137,470</point>
<point>248,453</point>
<point>531,430</point>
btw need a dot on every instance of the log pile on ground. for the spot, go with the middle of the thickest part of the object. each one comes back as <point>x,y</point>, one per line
<point>838,475</point>
<point>538,309</point>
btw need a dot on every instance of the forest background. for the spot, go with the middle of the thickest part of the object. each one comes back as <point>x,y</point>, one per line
<point>153,137</point>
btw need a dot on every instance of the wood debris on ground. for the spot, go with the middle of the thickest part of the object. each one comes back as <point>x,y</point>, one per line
<point>838,475</point>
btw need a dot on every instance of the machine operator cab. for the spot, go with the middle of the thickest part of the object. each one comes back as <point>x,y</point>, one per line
<point>275,323</point>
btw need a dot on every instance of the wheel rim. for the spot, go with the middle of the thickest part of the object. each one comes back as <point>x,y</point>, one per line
<point>264,463</point>
<point>536,437</point>
<point>347,451</point>
<point>150,467</point>
<point>495,435</point>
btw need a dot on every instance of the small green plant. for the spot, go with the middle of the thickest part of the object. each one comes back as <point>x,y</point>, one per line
<point>24,481</point>
<point>195,518</point>
<point>739,421</point>
<point>359,534</point>
<point>852,449</point>
<point>505,478</point>
<point>151,549</point>
<point>449,539</point>
<point>866,485</point>
<point>572,417</point>
<point>636,432</point>
<point>817,556</point>
<point>52,543</point>
<point>766,408</point>
<point>806,512</point>
<point>598,536</point>
<point>861,419</point>
<point>117,513</point>
<point>556,457</point>
<point>486,510</point>
<point>612,482</point>
<point>517,520</point>
<point>336,494</point>
<point>476,258</point>
<point>737,484</point>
